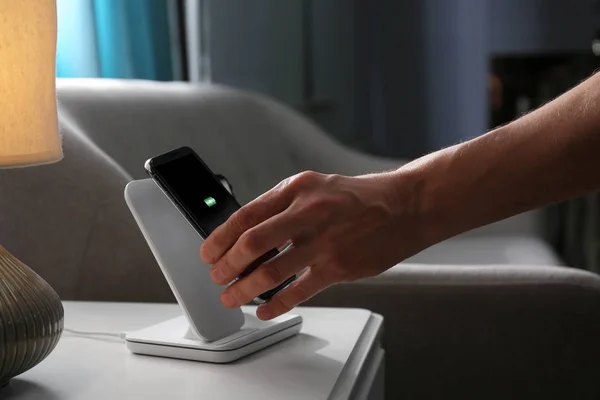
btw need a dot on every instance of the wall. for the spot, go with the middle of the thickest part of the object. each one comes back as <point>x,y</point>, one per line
<point>457,67</point>
<point>334,67</point>
<point>423,73</point>
<point>398,78</point>
<point>534,26</point>
<point>421,68</point>
<point>257,45</point>
<point>390,76</point>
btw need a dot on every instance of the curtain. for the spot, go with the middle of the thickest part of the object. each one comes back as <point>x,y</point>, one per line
<point>132,39</point>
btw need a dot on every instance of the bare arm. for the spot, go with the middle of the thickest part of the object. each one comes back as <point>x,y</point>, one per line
<point>547,156</point>
<point>347,228</point>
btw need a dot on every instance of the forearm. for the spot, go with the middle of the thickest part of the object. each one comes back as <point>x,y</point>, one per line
<point>545,157</point>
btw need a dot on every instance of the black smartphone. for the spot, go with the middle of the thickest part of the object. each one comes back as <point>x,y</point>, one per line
<point>202,199</point>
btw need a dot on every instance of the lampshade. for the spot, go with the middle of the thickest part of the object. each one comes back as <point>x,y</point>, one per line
<point>28,118</point>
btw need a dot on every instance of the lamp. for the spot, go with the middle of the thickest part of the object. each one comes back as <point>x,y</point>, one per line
<point>31,313</point>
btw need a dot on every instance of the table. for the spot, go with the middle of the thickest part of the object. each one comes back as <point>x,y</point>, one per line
<point>337,355</point>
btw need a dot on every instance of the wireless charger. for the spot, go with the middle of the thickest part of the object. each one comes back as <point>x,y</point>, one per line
<point>208,331</point>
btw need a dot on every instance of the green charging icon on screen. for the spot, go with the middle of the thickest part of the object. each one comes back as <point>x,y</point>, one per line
<point>210,201</point>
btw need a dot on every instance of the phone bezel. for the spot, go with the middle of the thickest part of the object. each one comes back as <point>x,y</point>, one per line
<point>154,163</point>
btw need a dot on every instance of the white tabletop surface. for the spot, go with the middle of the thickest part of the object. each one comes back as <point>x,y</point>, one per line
<point>321,362</point>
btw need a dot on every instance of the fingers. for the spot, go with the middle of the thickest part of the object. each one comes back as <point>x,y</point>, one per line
<point>253,244</point>
<point>266,277</point>
<point>252,214</point>
<point>261,209</point>
<point>298,292</point>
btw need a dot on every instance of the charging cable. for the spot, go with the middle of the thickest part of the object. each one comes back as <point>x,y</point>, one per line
<point>95,335</point>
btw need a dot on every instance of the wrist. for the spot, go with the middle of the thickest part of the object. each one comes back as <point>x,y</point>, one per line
<point>430,189</point>
<point>468,185</point>
<point>412,206</point>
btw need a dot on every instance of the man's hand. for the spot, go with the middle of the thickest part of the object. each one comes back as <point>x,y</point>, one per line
<point>341,228</point>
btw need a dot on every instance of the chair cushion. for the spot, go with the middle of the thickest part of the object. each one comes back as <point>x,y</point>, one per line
<point>509,250</point>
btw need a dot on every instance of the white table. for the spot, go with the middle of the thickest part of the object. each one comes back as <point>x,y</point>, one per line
<point>337,355</point>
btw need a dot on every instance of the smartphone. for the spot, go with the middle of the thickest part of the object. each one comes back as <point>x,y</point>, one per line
<point>202,199</point>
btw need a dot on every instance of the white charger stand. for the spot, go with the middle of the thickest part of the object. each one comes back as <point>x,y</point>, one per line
<point>207,331</point>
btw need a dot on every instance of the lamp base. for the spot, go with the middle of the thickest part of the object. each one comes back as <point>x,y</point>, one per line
<point>31,316</point>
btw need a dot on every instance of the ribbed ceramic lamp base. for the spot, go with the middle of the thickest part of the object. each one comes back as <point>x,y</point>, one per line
<point>31,317</point>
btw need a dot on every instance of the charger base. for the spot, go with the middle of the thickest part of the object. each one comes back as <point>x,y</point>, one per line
<point>174,339</point>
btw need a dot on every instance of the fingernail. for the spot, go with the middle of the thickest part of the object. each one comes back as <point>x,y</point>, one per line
<point>228,300</point>
<point>205,255</point>
<point>264,313</point>
<point>217,276</point>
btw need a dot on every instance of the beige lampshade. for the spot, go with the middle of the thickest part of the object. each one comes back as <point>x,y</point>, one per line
<point>28,119</point>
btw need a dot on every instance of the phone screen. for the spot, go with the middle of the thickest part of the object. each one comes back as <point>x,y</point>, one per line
<point>204,200</point>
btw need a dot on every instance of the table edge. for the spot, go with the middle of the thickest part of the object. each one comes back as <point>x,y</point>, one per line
<point>350,375</point>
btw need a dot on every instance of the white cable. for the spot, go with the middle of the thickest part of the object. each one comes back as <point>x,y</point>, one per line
<point>121,335</point>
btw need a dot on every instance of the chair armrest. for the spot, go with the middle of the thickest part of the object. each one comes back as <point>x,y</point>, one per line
<point>483,332</point>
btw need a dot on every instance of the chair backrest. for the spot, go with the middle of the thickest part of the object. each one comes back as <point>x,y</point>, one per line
<point>69,223</point>
<point>253,141</point>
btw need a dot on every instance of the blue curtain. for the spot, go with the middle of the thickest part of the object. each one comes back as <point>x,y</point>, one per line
<point>114,39</point>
